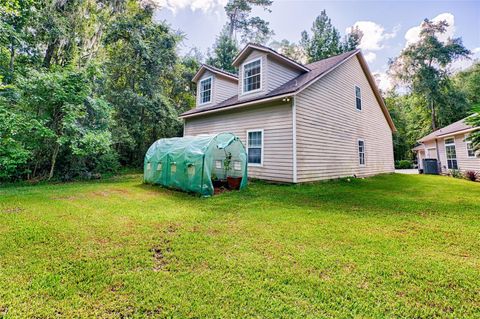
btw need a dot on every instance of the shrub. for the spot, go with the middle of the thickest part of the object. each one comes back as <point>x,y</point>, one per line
<point>456,173</point>
<point>471,175</point>
<point>403,164</point>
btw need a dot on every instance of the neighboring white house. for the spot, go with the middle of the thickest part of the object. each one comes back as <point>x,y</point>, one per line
<point>299,123</point>
<point>450,147</point>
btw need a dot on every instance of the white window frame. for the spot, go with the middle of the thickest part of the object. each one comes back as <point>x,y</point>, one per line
<point>364,152</point>
<point>355,94</point>
<point>467,143</point>
<point>243,75</point>
<point>446,153</point>
<point>200,90</point>
<point>261,152</point>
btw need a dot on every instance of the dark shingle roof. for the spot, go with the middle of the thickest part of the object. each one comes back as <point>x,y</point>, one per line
<point>317,69</point>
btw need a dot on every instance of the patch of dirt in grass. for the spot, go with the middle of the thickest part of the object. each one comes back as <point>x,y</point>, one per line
<point>69,198</point>
<point>11,210</point>
<point>109,192</point>
<point>161,251</point>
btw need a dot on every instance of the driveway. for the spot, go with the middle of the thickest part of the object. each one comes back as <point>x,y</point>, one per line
<point>407,171</point>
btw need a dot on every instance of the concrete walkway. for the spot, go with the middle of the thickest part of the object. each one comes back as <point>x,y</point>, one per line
<point>412,171</point>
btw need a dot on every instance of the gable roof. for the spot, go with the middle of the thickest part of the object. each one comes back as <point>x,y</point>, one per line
<point>454,128</point>
<point>205,67</point>
<point>317,71</point>
<point>253,46</point>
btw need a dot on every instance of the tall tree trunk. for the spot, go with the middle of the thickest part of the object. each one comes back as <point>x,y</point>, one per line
<point>52,46</point>
<point>434,116</point>
<point>12,58</point>
<point>54,159</point>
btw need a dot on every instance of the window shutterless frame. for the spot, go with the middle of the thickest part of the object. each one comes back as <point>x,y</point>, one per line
<point>244,65</point>
<point>361,152</point>
<point>468,144</point>
<point>451,153</point>
<point>202,91</point>
<point>261,148</point>
<point>358,98</point>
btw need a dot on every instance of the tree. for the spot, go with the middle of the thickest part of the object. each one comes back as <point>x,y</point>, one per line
<point>251,29</point>
<point>325,40</point>
<point>141,60</point>
<point>290,49</point>
<point>422,66</point>
<point>352,39</point>
<point>474,121</point>
<point>224,52</point>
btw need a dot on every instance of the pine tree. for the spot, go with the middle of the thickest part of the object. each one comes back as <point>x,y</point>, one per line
<point>224,51</point>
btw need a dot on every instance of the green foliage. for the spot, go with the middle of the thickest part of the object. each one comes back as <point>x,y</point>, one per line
<point>224,52</point>
<point>455,173</point>
<point>251,29</point>
<point>474,120</point>
<point>290,49</point>
<point>394,246</point>
<point>403,164</point>
<point>422,66</point>
<point>325,40</point>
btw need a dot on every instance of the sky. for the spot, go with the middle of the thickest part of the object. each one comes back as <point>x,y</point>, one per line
<point>388,26</point>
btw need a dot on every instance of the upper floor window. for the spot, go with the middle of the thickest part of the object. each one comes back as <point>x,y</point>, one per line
<point>252,76</point>
<point>470,151</point>
<point>361,152</point>
<point>255,147</point>
<point>358,98</point>
<point>206,90</point>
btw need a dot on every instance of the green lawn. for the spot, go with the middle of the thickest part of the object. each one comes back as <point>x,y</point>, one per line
<point>388,246</point>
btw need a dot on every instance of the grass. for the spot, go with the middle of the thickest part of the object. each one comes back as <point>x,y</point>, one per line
<point>389,246</point>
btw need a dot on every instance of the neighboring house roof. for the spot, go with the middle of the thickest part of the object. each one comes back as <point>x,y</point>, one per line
<point>253,46</point>
<point>213,69</point>
<point>452,129</point>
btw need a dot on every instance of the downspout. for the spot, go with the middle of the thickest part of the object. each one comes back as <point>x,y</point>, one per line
<point>294,135</point>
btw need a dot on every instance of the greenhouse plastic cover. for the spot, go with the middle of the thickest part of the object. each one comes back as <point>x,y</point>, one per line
<point>190,162</point>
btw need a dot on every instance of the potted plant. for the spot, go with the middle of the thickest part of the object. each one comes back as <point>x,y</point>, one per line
<point>232,181</point>
<point>217,183</point>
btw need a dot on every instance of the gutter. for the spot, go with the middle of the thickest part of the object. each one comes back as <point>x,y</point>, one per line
<point>294,130</point>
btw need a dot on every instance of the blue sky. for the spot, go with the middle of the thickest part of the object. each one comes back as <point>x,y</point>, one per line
<point>387,25</point>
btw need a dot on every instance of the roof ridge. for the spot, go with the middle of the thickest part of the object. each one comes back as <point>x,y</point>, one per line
<point>348,53</point>
<point>219,70</point>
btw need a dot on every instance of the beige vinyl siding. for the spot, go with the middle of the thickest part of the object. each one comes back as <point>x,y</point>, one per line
<point>329,126</point>
<point>222,88</point>
<point>464,162</point>
<point>253,56</point>
<point>279,74</point>
<point>276,122</point>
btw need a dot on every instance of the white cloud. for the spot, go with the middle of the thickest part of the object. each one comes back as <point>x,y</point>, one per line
<point>413,34</point>
<point>462,64</point>
<point>374,35</point>
<point>193,5</point>
<point>370,56</point>
<point>384,82</point>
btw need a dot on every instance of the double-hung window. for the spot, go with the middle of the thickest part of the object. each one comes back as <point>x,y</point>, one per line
<point>252,76</point>
<point>361,152</point>
<point>206,90</point>
<point>470,151</point>
<point>451,153</point>
<point>255,147</point>
<point>358,98</point>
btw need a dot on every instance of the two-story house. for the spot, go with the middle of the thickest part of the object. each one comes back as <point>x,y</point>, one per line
<point>299,123</point>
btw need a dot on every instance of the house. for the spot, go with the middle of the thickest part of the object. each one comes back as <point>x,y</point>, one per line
<point>450,147</point>
<point>299,123</point>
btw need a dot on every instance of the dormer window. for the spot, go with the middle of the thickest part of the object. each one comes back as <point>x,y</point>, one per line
<point>206,91</point>
<point>252,76</point>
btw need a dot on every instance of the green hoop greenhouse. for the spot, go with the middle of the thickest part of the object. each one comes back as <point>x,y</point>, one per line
<point>195,163</point>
